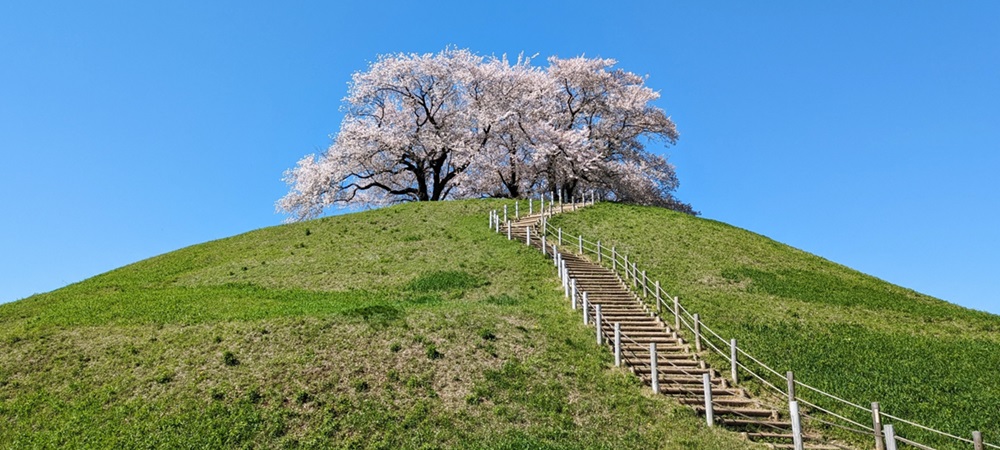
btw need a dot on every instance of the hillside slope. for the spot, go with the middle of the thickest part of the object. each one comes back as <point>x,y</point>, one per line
<point>839,330</point>
<point>410,326</point>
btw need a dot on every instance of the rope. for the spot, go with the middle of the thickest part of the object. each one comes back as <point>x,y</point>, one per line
<point>720,352</point>
<point>813,405</point>
<point>927,428</point>
<point>834,397</point>
<point>762,380</point>
<point>915,444</point>
<point>832,424</point>
<point>765,366</point>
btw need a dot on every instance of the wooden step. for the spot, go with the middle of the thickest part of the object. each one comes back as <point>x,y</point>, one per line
<point>629,329</point>
<point>669,370</point>
<point>665,362</point>
<point>683,380</point>
<point>750,423</point>
<point>685,391</point>
<point>723,401</point>
<point>665,344</point>
<point>805,446</point>
<point>768,435</point>
<point>747,413</point>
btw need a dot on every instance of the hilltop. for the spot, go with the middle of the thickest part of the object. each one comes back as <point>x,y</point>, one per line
<point>409,326</point>
<point>415,326</point>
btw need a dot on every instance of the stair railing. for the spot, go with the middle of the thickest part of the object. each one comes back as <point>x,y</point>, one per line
<point>629,270</point>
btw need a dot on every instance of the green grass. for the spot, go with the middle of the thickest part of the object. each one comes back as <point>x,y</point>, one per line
<point>839,330</point>
<point>405,327</point>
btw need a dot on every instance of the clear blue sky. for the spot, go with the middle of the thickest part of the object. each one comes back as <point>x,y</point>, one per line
<point>865,132</point>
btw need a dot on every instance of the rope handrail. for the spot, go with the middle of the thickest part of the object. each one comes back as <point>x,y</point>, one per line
<point>834,424</point>
<point>915,444</point>
<point>685,323</point>
<point>765,366</point>
<point>925,428</point>
<point>665,293</point>
<point>832,396</point>
<point>619,259</point>
<point>813,405</point>
<point>762,380</point>
<point>713,333</point>
<point>711,345</point>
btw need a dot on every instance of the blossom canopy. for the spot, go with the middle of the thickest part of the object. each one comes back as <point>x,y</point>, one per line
<point>459,125</point>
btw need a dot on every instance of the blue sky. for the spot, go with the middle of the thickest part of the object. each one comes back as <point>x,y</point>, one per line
<point>865,132</point>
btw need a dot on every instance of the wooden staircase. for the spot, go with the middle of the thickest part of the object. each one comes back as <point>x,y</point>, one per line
<point>680,371</point>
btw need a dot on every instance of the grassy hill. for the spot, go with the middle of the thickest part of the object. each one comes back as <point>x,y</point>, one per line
<point>839,330</point>
<point>410,326</point>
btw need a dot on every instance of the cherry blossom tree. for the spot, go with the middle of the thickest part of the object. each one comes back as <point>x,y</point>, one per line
<point>407,134</point>
<point>458,125</point>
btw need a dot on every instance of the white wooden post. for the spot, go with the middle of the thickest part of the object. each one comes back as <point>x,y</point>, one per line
<point>626,267</point>
<point>706,382</point>
<point>586,310</point>
<point>572,291</point>
<point>541,204</point>
<point>654,372</point>
<point>565,279</point>
<point>527,235</point>
<point>790,379</point>
<point>890,438</point>
<point>531,206</point>
<point>977,440</point>
<point>491,220</point>
<point>496,222</point>
<point>645,290</point>
<point>517,209</point>
<point>597,321</point>
<point>504,213</point>
<point>544,250</point>
<point>677,314</point>
<point>697,333</point>
<point>618,344</point>
<point>508,230</point>
<point>656,293</point>
<point>598,252</point>
<point>581,243</point>
<point>793,411</point>
<point>877,426</point>
<point>733,361</point>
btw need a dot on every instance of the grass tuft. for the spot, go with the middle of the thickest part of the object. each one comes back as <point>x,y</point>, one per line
<point>229,359</point>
